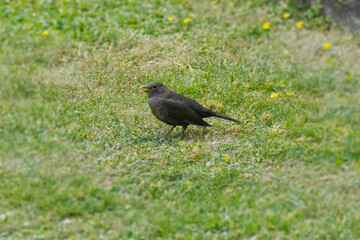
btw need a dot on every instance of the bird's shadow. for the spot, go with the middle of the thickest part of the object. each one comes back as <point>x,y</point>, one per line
<point>193,133</point>
<point>161,136</point>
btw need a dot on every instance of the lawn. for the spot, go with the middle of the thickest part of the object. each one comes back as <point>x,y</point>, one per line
<point>82,157</point>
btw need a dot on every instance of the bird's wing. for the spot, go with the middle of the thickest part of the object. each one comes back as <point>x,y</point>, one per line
<point>194,105</point>
<point>181,111</point>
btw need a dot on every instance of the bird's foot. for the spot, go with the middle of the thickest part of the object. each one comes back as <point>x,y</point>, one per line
<point>181,135</point>
<point>168,133</point>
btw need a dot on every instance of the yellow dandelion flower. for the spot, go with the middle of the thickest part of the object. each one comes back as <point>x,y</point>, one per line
<point>289,93</point>
<point>45,33</point>
<point>274,95</point>
<point>230,5</point>
<point>214,2</point>
<point>299,24</point>
<point>286,15</point>
<point>170,18</point>
<point>266,26</point>
<point>225,158</point>
<point>326,46</point>
<point>186,20</point>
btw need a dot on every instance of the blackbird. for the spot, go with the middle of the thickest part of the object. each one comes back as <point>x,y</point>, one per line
<point>175,109</point>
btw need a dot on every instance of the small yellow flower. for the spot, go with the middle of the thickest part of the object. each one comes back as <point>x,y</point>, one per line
<point>289,94</point>
<point>186,20</point>
<point>45,33</point>
<point>286,15</point>
<point>266,26</point>
<point>274,95</point>
<point>225,158</point>
<point>214,2</point>
<point>299,24</point>
<point>326,46</point>
<point>171,18</point>
<point>230,5</point>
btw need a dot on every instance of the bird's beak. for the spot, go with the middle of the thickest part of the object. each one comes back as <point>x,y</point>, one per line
<point>145,89</point>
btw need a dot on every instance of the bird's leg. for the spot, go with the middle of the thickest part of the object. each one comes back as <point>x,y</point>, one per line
<point>184,128</point>
<point>169,131</point>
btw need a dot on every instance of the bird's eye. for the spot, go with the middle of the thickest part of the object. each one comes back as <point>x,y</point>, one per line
<point>154,86</point>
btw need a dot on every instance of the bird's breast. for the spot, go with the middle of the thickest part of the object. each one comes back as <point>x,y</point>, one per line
<point>157,108</point>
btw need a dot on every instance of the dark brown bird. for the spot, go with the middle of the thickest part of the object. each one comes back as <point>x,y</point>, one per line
<point>175,109</point>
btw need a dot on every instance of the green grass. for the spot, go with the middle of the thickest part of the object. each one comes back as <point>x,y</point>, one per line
<point>82,157</point>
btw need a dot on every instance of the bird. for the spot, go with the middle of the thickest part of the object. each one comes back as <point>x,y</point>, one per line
<point>177,110</point>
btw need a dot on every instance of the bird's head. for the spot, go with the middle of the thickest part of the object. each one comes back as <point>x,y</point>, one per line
<point>153,88</point>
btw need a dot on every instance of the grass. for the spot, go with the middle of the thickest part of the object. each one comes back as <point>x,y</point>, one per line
<point>82,157</point>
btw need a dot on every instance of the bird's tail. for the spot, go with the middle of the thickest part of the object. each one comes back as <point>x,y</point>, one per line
<point>215,114</point>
